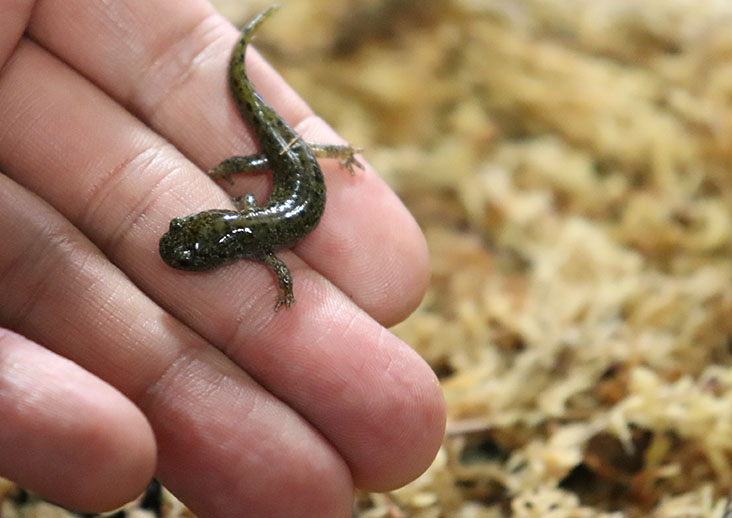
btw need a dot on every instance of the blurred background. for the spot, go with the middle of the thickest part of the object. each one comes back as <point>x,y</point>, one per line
<point>569,163</point>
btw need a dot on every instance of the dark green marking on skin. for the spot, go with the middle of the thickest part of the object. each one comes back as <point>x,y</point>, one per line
<point>212,238</point>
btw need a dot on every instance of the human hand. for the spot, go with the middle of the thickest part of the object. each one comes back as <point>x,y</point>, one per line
<point>108,113</point>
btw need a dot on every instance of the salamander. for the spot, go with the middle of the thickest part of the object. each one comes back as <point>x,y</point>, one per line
<point>212,238</point>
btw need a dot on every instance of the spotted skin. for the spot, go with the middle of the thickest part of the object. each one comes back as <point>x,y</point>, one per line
<point>212,238</point>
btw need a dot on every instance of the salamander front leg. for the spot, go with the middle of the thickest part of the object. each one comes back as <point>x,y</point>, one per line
<point>239,164</point>
<point>284,279</point>
<point>346,156</point>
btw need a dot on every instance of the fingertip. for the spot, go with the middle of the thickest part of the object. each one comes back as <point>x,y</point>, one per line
<point>405,442</point>
<point>67,435</point>
<point>118,459</point>
<point>410,280</point>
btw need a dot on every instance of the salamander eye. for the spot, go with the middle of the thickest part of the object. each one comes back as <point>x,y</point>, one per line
<point>176,223</point>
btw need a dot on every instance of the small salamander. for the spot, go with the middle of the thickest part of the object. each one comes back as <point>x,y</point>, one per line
<point>209,239</point>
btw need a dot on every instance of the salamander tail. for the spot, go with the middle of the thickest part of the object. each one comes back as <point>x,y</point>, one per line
<point>252,26</point>
<point>241,87</point>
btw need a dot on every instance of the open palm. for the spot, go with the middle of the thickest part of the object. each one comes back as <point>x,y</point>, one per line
<point>117,366</point>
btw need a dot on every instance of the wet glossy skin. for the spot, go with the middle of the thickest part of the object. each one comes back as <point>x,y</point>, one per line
<point>211,238</point>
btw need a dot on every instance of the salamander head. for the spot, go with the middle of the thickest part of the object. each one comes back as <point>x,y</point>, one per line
<point>192,243</point>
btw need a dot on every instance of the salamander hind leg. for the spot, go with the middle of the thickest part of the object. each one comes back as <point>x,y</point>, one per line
<point>284,279</point>
<point>346,155</point>
<point>245,203</point>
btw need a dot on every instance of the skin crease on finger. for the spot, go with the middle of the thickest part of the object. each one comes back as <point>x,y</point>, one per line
<point>341,366</point>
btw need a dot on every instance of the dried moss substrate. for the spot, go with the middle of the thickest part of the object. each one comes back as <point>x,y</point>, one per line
<point>571,165</point>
